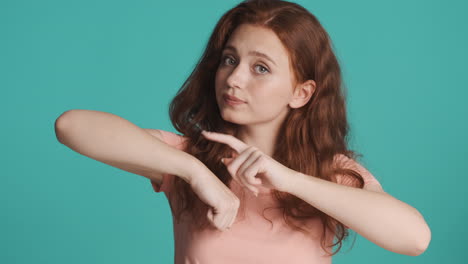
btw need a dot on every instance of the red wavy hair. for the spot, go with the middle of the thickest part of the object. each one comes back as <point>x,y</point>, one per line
<point>311,136</point>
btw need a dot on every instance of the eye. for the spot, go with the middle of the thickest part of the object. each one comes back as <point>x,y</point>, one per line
<point>264,68</point>
<point>226,58</point>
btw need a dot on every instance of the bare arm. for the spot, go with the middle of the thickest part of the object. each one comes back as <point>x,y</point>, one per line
<point>371,212</point>
<point>115,141</point>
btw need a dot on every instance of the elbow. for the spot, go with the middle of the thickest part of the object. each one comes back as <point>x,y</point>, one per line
<point>60,125</point>
<point>423,242</point>
<point>420,249</point>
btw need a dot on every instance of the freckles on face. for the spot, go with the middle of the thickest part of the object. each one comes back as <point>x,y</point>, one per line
<point>243,71</point>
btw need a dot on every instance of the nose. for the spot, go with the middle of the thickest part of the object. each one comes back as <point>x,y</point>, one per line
<point>236,78</point>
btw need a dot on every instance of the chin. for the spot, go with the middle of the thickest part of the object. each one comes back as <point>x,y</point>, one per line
<point>231,117</point>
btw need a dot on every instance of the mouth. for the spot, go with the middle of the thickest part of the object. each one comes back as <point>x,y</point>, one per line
<point>232,100</point>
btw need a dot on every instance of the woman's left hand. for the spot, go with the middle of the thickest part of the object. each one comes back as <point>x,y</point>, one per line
<point>251,167</point>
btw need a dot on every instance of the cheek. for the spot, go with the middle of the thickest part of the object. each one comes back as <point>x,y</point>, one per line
<point>218,76</point>
<point>274,93</point>
<point>268,101</point>
<point>218,84</point>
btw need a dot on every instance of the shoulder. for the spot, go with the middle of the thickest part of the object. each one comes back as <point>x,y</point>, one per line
<point>341,160</point>
<point>344,162</point>
<point>170,138</point>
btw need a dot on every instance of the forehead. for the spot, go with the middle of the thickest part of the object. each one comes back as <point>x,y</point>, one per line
<point>248,38</point>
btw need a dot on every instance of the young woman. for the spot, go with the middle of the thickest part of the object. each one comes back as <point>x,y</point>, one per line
<point>274,181</point>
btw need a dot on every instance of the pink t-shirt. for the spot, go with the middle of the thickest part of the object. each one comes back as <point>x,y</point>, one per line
<point>251,239</point>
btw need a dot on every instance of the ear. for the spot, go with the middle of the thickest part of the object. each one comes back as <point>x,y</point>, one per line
<point>302,94</point>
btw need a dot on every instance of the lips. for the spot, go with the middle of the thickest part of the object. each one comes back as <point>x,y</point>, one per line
<point>232,98</point>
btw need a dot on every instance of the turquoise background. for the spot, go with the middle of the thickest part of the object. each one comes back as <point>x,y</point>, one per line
<point>404,64</point>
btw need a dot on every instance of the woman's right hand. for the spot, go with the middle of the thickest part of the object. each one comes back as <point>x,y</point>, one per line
<point>212,191</point>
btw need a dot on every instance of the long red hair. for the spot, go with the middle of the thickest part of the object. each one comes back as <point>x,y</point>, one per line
<point>311,136</point>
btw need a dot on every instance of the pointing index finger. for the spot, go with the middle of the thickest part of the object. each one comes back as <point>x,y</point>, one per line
<point>230,140</point>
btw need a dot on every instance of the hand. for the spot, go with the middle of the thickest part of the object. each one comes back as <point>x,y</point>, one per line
<point>251,167</point>
<point>212,191</point>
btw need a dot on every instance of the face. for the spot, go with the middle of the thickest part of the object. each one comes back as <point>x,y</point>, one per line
<point>263,82</point>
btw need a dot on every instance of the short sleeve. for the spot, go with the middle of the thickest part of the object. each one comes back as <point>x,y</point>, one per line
<point>176,141</point>
<point>348,163</point>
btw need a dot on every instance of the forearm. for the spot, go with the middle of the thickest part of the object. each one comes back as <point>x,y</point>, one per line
<point>115,141</point>
<point>379,217</point>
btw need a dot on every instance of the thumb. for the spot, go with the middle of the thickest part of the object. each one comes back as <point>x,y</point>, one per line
<point>226,160</point>
<point>210,215</point>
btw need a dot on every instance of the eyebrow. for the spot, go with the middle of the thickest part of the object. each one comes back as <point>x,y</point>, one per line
<point>253,52</point>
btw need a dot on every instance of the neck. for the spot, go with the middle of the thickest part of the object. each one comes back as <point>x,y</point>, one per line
<point>261,135</point>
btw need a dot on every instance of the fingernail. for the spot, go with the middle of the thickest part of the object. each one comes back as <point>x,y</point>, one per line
<point>222,160</point>
<point>256,194</point>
